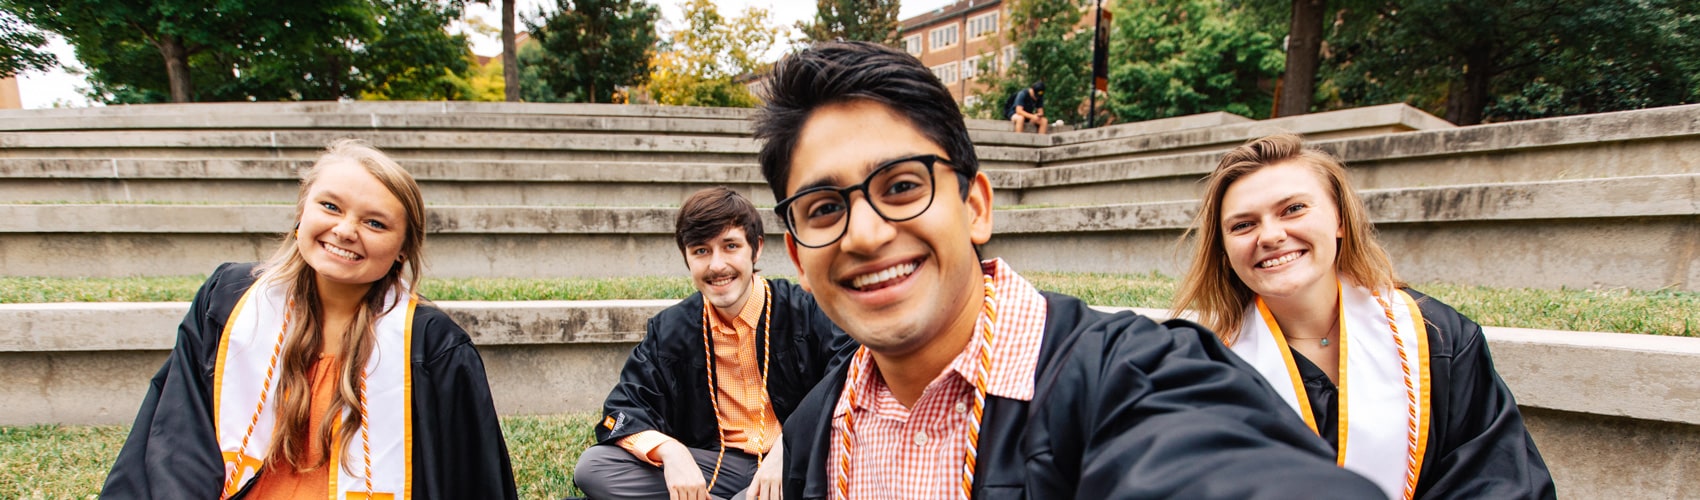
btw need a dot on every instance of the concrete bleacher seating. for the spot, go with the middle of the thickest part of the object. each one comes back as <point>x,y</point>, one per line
<point>585,190</point>
<point>552,190</point>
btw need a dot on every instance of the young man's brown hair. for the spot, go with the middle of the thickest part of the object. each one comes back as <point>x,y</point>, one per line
<point>708,212</point>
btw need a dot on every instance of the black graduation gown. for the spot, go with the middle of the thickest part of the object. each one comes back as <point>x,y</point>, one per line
<point>1477,445</point>
<point>1123,408</point>
<point>172,452</point>
<point>664,385</point>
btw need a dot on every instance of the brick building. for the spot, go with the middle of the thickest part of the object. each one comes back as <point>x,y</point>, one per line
<point>954,39</point>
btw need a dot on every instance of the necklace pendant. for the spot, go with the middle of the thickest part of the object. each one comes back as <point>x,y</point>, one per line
<point>1325,342</point>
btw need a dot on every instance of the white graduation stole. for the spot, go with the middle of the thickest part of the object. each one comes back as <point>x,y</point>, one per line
<point>1383,422</point>
<point>245,424</point>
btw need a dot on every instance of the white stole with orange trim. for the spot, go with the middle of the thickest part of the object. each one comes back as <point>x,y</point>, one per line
<point>1384,400</point>
<point>245,396</point>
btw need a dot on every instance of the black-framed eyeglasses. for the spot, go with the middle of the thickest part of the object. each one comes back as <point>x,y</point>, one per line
<point>898,190</point>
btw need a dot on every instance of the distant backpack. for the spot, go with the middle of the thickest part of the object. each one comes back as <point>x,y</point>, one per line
<point>1009,104</point>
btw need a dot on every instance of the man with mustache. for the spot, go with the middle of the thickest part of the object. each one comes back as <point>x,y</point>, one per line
<point>697,411</point>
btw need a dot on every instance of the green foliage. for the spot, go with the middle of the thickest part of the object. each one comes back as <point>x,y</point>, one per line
<point>853,20</point>
<point>702,63</point>
<point>21,47</point>
<point>1050,48</point>
<point>1188,57</point>
<point>1517,59</point>
<point>590,49</point>
<point>413,58</point>
<point>243,50</point>
<point>479,82</point>
<point>533,87</point>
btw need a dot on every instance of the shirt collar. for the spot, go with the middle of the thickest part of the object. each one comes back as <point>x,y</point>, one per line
<point>1016,339</point>
<point>748,316</point>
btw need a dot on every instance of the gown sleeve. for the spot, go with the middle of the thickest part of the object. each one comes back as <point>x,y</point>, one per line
<point>638,401</point>
<point>1165,411</point>
<point>459,438</point>
<point>1487,452</point>
<point>171,451</point>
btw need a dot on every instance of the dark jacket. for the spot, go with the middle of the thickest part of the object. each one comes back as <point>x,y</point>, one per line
<point>1477,444</point>
<point>664,385</point>
<point>172,452</point>
<point>1123,408</point>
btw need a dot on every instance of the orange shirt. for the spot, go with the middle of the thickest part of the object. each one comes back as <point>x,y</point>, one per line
<point>281,481</point>
<point>746,419</point>
<point>917,452</point>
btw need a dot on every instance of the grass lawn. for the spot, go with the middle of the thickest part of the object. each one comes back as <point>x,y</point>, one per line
<point>70,462</point>
<point>1656,312</point>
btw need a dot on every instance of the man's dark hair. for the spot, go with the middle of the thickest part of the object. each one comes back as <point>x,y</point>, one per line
<point>1039,86</point>
<point>709,212</point>
<point>836,72</point>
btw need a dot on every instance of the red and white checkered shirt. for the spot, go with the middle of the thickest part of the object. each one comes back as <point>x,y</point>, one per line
<point>916,453</point>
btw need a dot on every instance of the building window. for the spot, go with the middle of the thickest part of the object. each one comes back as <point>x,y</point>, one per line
<point>970,67</point>
<point>912,44</point>
<point>1008,57</point>
<point>982,25</point>
<point>946,72</point>
<point>970,101</point>
<point>943,37</point>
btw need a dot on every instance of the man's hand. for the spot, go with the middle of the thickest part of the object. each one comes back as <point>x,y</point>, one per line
<point>684,479</point>
<point>768,483</point>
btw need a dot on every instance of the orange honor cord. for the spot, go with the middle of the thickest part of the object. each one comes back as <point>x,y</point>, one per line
<point>713,385</point>
<point>981,373</point>
<point>1411,457</point>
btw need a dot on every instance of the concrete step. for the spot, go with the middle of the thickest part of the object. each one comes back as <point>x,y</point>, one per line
<point>1590,233</point>
<point>1637,143</point>
<point>1358,122</point>
<point>444,182</point>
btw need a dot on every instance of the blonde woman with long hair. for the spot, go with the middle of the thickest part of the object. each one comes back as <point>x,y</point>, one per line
<point>320,373</point>
<point>1287,271</point>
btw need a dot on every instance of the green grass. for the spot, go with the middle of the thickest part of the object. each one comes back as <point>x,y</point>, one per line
<point>57,461</point>
<point>1657,312</point>
<point>62,461</point>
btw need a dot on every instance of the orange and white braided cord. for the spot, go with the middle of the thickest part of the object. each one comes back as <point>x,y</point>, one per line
<point>1411,398</point>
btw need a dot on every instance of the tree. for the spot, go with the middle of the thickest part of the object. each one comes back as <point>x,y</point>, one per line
<point>21,47</point>
<point>182,50</point>
<point>1304,48</point>
<point>1517,58</point>
<point>1051,47</point>
<point>533,86</point>
<point>853,20</point>
<point>703,62</point>
<point>592,47</point>
<point>413,57</point>
<point>1190,56</point>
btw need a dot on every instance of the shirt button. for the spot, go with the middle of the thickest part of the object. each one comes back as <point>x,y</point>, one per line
<point>962,408</point>
<point>921,438</point>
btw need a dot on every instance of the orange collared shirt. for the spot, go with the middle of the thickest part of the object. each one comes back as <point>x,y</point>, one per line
<point>746,419</point>
<point>917,452</point>
<point>281,481</point>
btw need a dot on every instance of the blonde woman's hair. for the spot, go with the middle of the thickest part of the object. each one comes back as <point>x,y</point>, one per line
<point>1213,290</point>
<point>306,336</point>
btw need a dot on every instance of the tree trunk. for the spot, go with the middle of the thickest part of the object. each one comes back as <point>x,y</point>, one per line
<point>176,67</point>
<point>1304,49</point>
<point>1467,100</point>
<point>510,53</point>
